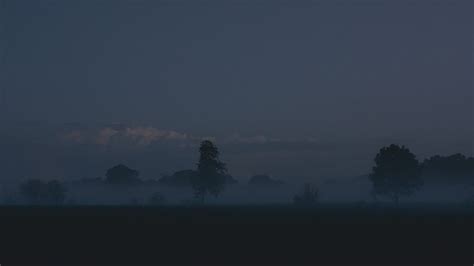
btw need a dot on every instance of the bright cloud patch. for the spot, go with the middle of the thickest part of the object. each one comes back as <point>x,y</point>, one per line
<point>147,135</point>
<point>142,136</point>
<point>105,135</point>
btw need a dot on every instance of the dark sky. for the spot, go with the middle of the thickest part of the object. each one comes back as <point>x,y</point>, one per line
<point>313,84</point>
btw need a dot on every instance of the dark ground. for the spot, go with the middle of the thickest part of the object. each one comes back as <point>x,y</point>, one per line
<point>236,235</point>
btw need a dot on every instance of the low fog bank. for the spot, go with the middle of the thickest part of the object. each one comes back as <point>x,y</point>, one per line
<point>397,176</point>
<point>336,190</point>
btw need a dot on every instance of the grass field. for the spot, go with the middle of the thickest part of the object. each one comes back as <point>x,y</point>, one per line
<point>334,234</point>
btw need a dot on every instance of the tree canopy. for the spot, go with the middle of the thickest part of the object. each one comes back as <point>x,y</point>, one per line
<point>182,178</point>
<point>36,191</point>
<point>123,175</point>
<point>396,172</point>
<point>450,169</point>
<point>210,171</point>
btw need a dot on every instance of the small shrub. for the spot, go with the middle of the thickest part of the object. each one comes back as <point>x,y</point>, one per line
<point>308,196</point>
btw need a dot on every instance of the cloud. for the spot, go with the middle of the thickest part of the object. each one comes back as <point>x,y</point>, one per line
<point>144,136</point>
<point>260,143</point>
<point>137,136</point>
<point>105,135</point>
<point>147,135</point>
<point>73,136</point>
<point>236,138</point>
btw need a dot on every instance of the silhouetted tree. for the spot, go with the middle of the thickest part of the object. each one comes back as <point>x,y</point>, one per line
<point>122,175</point>
<point>211,170</point>
<point>157,199</point>
<point>396,172</point>
<point>181,178</point>
<point>56,193</point>
<point>184,178</point>
<point>309,195</point>
<point>36,191</point>
<point>32,190</point>
<point>450,169</point>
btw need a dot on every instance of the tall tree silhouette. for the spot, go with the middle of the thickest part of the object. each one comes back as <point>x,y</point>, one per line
<point>211,172</point>
<point>396,172</point>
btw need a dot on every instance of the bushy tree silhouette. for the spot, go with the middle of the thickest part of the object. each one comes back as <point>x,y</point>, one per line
<point>396,172</point>
<point>56,193</point>
<point>32,190</point>
<point>182,178</point>
<point>309,195</point>
<point>122,175</point>
<point>209,179</point>
<point>36,191</point>
<point>451,169</point>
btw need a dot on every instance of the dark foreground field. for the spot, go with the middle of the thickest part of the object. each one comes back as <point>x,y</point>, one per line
<point>236,235</point>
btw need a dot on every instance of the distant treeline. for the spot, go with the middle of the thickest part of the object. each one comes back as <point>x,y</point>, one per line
<point>449,168</point>
<point>396,173</point>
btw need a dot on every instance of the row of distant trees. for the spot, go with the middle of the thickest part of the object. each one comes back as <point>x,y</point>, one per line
<point>209,179</point>
<point>396,173</point>
<point>37,191</point>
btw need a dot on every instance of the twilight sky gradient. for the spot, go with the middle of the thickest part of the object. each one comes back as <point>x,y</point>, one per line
<point>292,88</point>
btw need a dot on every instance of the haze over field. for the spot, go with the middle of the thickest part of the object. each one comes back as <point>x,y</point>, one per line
<point>304,91</point>
<point>76,151</point>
